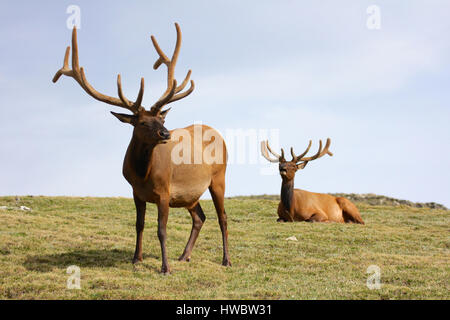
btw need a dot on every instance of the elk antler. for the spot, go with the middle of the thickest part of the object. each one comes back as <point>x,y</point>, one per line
<point>78,74</point>
<point>320,152</point>
<point>172,92</point>
<point>265,146</point>
<point>294,157</point>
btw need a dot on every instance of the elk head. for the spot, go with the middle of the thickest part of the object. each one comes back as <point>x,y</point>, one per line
<point>148,124</point>
<point>289,168</point>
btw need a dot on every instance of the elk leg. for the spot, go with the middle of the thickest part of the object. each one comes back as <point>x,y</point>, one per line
<point>217,191</point>
<point>318,217</point>
<point>163,215</point>
<point>140,220</point>
<point>198,217</point>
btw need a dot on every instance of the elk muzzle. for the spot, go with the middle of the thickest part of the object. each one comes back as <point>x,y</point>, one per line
<point>164,134</point>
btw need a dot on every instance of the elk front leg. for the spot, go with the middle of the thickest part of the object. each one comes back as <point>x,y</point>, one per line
<point>140,220</point>
<point>283,214</point>
<point>163,215</point>
<point>198,217</point>
<point>318,217</point>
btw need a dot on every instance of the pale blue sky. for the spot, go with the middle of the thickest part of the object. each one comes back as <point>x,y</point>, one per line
<point>311,69</point>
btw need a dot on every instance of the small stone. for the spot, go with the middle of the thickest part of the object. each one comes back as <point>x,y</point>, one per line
<point>293,238</point>
<point>23,208</point>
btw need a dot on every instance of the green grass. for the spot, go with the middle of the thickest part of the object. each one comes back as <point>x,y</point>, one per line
<point>410,245</point>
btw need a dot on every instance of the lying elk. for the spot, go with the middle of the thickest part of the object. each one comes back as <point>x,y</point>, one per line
<point>301,205</point>
<point>148,164</point>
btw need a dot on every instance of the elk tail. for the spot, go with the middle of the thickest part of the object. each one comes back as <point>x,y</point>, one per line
<point>349,211</point>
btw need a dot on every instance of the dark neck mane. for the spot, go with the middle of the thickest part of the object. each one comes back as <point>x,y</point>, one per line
<point>141,157</point>
<point>287,194</point>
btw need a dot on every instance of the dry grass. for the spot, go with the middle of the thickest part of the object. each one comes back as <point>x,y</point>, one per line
<point>410,245</point>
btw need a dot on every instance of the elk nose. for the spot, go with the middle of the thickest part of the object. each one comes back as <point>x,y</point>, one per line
<point>164,134</point>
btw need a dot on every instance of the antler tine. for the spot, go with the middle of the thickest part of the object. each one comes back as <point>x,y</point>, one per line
<point>325,150</point>
<point>320,152</point>
<point>75,62</point>
<point>280,157</point>
<point>120,93</point>
<point>314,156</point>
<point>183,94</point>
<point>162,56</point>
<point>306,151</point>
<point>176,51</point>
<point>184,83</point>
<point>181,87</point>
<point>137,104</point>
<point>272,152</point>
<point>78,74</point>
<point>327,145</point>
<point>265,154</point>
<point>65,69</point>
<point>297,158</point>
<point>163,59</point>
<point>164,99</point>
<point>100,96</point>
<point>168,96</point>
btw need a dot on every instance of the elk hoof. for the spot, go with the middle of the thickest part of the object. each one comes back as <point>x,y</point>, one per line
<point>136,260</point>
<point>226,263</point>
<point>165,270</point>
<point>183,258</point>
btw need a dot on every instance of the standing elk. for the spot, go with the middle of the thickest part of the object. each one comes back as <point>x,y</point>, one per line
<point>301,205</point>
<point>148,164</point>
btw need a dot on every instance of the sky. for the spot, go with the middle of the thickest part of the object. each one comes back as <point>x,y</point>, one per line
<point>299,69</point>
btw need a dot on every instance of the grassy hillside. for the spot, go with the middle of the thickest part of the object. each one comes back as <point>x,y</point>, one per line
<point>329,261</point>
<point>363,199</point>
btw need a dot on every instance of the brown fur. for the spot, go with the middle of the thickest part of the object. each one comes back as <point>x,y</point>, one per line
<point>349,211</point>
<point>148,164</point>
<point>169,185</point>
<point>301,205</point>
<point>317,207</point>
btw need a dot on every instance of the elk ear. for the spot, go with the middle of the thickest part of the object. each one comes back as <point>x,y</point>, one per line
<point>164,113</point>
<point>302,165</point>
<point>126,118</point>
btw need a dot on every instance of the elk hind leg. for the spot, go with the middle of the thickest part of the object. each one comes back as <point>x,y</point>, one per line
<point>217,190</point>
<point>198,218</point>
<point>350,212</point>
